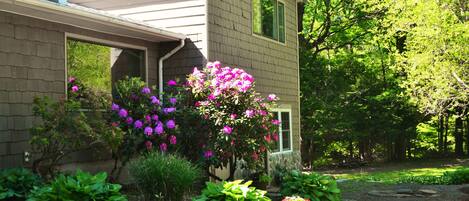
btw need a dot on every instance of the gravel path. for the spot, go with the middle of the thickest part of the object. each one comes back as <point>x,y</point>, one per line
<point>360,191</point>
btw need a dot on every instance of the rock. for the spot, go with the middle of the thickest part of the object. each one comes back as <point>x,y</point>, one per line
<point>404,191</point>
<point>376,193</point>
<point>428,191</point>
<point>399,195</point>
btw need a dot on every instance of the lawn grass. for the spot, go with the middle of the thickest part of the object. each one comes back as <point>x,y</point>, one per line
<point>396,174</point>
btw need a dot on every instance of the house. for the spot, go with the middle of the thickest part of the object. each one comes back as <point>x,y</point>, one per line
<point>165,39</point>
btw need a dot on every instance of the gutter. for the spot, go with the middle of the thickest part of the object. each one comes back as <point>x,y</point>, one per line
<point>160,66</point>
<point>87,15</point>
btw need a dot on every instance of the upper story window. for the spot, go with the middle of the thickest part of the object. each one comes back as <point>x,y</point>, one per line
<point>269,19</point>
<point>284,143</point>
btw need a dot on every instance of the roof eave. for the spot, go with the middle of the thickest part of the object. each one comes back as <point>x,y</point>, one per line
<point>101,23</point>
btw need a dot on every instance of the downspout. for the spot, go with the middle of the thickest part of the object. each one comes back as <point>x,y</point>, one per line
<point>160,66</point>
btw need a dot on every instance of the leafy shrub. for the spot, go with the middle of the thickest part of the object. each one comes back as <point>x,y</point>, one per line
<point>163,176</point>
<point>148,122</point>
<point>459,176</point>
<point>312,186</point>
<point>80,186</point>
<point>231,191</point>
<point>240,124</point>
<point>17,182</point>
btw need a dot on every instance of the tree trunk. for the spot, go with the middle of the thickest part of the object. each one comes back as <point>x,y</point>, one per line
<point>440,133</point>
<point>458,136</point>
<point>445,140</point>
<point>467,135</point>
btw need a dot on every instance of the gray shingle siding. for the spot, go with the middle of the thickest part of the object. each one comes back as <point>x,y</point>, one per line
<point>187,17</point>
<point>32,63</point>
<point>274,65</point>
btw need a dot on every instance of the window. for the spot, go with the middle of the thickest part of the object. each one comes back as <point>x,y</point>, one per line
<point>284,143</point>
<point>269,19</point>
<point>98,66</point>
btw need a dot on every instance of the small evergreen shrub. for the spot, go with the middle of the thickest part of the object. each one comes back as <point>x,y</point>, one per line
<point>163,176</point>
<point>311,186</point>
<point>80,186</point>
<point>235,190</point>
<point>17,182</point>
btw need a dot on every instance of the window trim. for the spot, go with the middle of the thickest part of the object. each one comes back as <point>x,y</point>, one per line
<point>280,139</point>
<point>267,38</point>
<point>100,41</point>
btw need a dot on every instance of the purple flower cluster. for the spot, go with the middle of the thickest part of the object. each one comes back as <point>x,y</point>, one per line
<point>156,125</point>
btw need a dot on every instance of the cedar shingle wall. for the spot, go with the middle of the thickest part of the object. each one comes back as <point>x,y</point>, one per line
<point>274,65</point>
<point>32,63</point>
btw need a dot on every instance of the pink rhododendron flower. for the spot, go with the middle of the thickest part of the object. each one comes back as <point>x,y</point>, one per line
<point>217,64</point>
<point>146,90</point>
<point>159,128</point>
<point>75,88</point>
<point>138,124</point>
<point>129,120</point>
<point>172,83</point>
<point>276,122</point>
<point>71,79</point>
<point>208,154</point>
<point>115,107</point>
<point>172,139</point>
<point>123,113</point>
<point>171,124</point>
<point>249,113</point>
<point>255,156</point>
<point>147,118</point>
<point>272,97</point>
<point>275,135</point>
<point>148,131</point>
<point>211,97</point>
<point>155,100</point>
<point>169,110</point>
<point>233,116</point>
<point>267,138</point>
<point>149,145</point>
<point>163,147</point>
<point>227,130</point>
<point>173,101</point>
<point>155,117</point>
<point>262,112</point>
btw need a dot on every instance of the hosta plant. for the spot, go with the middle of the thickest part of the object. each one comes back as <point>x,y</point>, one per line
<point>17,182</point>
<point>294,198</point>
<point>240,124</point>
<point>311,186</point>
<point>80,186</point>
<point>231,191</point>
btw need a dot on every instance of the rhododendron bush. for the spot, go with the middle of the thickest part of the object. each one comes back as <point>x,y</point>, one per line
<point>147,123</point>
<point>241,125</point>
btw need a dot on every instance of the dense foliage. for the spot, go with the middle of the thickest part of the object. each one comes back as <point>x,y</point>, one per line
<point>80,186</point>
<point>374,73</point>
<point>456,177</point>
<point>240,125</point>
<point>164,176</point>
<point>312,186</point>
<point>17,182</point>
<point>231,191</point>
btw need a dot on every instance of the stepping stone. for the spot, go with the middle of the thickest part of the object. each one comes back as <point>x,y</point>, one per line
<point>404,191</point>
<point>428,191</point>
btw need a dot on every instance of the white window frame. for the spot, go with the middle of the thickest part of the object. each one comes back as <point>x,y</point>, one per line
<point>284,23</point>
<point>280,137</point>
<point>110,43</point>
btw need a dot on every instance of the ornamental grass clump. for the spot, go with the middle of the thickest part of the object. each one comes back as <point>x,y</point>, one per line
<point>162,176</point>
<point>240,125</point>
